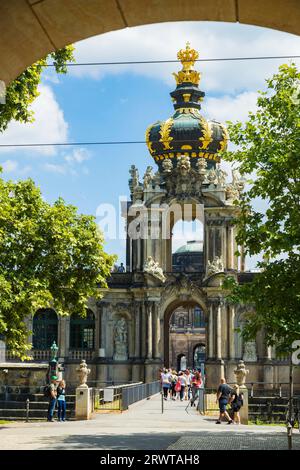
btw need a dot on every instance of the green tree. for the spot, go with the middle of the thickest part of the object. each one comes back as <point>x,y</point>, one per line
<point>49,256</point>
<point>268,149</point>
<point>22,91</point>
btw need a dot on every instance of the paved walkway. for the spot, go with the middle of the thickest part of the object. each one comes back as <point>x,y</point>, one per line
<point>144,427</point>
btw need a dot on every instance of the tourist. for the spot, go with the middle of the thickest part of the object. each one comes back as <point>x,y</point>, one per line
<point>61,401</point>
<point>236,401</point>
<point>223,395</point>
<point>188,378</point>
<point>174,379</point>
<point>196,384</point>
<point>182,381</point>
<point>166,383</point>
<point>52,398</point>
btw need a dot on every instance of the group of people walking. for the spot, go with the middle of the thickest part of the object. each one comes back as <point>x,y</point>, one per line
<point>56,393</point>
<point>185,385</point>
<point>181,385</point>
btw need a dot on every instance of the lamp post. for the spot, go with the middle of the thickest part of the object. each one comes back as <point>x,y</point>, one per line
<point>53,365</point>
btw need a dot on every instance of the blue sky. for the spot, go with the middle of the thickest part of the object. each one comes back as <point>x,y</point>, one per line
<point>119,102</point>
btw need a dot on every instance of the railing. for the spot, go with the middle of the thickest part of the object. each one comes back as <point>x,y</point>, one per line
<point>137,393</point>
<point>81,354</point>
<point>121,397</point>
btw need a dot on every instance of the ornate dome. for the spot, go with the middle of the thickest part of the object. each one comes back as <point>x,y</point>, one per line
<point>187,132</point>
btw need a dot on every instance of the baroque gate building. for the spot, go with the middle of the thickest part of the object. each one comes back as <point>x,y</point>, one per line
<point>189,184</point>
<point>126,335</point>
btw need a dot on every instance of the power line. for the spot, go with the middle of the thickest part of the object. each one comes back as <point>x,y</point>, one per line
<point>215,59</point>
<point>113,142</point>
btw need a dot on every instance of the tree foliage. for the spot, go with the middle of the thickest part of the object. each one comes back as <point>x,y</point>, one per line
<point>49,256</point>
<point>24,89</point>
<point>269,150</point>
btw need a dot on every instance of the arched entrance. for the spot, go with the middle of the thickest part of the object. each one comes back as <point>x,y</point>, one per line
<point>31,29</point>
<point>184,328</point>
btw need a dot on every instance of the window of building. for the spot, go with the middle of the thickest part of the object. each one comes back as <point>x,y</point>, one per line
<point>82,331</point>
<point>44,328</point>
<point>199,319</point>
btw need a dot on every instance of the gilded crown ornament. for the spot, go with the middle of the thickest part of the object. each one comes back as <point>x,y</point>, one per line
<point>188,58</point>
<point>186,132</point>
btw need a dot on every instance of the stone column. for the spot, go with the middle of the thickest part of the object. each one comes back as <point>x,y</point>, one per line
<point>230,263</point>
<point>62,336</point>
<point>211,352</point>
<point>156,335</point>
<point>231,351</point>
<point>219,332</point>
<point>143,330</point>
<point>137,329</point>
<point>149,330</point>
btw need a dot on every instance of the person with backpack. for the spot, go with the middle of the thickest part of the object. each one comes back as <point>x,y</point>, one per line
<point>61,401</point>
<point>223,396</point>
<point>236,401</point>
<point>174,379</point>
<point>51,391</point>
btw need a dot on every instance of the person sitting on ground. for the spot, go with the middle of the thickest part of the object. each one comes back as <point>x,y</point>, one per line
<point>236,401</point>
<point>61,401</point>
<point>223,394</point>
<point>52,398</point>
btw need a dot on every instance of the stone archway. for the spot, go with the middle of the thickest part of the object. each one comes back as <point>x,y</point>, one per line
<point>187,302</point>
<point>33,28</point>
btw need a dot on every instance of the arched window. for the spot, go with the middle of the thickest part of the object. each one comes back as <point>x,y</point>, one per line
<point>44,328</point>
<point>199,355</point>
<point>82,331</point>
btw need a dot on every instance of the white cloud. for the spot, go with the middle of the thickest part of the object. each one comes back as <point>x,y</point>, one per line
<point>49,126</point>
<point>78,155</point>
<point>55,168</point>
<point>212,40</point>
<point>9,166</point>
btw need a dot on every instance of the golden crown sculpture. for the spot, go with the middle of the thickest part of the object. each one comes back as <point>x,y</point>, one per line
<point>187,57</point>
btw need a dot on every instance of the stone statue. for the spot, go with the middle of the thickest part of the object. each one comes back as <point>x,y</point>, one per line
<point>241,373</point>
<point>201,165</point>
<point>120,339</point>
<point>212,176</point>
<point>234,189</point>
<point>167,166</point>
<point>215,266</point>
<point>232,193</point>
<point>83,372</point>
<point>184,164</point>
<point>221,175</point>
<point>152,267</point>
<point>148,177</point>
<point>250,351</point>
<point>134,180</point>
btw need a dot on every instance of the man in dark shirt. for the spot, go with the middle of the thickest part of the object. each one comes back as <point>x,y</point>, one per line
<point>223,394</point>
<point>52,398</point>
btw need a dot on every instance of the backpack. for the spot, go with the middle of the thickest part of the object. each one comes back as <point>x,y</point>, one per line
<point>178,386</point>
<point>47,392</point>
<point>240,399</point>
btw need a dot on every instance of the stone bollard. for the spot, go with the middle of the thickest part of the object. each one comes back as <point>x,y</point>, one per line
<point>241,372</point>
<point>83,405</point>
